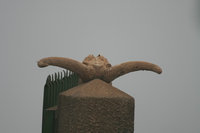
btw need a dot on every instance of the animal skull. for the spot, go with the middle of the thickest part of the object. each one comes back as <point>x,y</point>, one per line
<point>98,67</point>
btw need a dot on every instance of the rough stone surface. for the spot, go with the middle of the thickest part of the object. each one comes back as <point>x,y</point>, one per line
<point>95,107</point>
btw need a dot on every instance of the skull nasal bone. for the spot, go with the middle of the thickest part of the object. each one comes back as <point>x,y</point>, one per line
<point>97,62</point>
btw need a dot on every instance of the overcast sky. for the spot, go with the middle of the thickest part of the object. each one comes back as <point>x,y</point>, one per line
<point>163,32</point>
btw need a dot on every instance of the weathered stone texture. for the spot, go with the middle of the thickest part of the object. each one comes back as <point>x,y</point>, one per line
<point>95,107</point>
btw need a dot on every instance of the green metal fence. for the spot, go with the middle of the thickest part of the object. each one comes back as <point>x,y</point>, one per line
<point>55,84</point>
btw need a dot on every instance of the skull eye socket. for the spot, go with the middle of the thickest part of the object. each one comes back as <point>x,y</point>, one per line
<point>89,59</point>
<point>108,65</point>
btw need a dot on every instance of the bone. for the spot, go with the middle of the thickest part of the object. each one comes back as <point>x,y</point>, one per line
<point>127,67</point>
<point>78,68</point>
<point>98,67</point>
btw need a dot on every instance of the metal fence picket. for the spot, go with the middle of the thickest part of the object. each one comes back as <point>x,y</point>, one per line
<point>55,84</point>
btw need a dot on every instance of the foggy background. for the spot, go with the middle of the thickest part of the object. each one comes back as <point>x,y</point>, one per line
<point>163,32</point>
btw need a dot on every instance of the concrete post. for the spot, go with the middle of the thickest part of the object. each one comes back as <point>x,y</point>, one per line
<point>95,107</point>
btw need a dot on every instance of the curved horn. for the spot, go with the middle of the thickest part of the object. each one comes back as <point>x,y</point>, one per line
<point>78,68</point>
<point>124,68</point>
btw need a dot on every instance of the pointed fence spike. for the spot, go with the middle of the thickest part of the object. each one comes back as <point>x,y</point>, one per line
<point>66,73</point>
<point>61,75</point>
<point>58,76</point>
<point>48,79</point>
<point>52,78</point>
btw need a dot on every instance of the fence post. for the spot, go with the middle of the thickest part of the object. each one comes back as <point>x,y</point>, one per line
<point>95,107</point>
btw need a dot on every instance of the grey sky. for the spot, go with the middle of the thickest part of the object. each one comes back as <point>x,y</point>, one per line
<point>164,32</point>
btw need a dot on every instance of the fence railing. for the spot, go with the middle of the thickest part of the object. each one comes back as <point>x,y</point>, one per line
<point>55,84</point>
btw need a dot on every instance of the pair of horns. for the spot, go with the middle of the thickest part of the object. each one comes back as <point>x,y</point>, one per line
<point>85,73</point>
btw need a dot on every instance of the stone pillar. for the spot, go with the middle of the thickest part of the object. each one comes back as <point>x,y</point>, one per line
<point>95,107</point>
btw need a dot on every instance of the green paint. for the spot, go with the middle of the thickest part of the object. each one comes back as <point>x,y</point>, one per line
<point>55,84</point>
